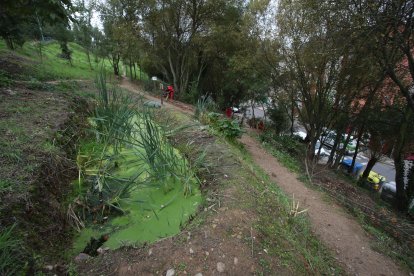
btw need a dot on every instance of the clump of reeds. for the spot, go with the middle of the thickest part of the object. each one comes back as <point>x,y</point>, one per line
<point>113,115</point>
<point>205,104</point>
<point>119,124</point>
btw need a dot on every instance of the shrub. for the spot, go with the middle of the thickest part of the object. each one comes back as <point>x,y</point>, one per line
<point>280,120</point>
<point>229,128</point>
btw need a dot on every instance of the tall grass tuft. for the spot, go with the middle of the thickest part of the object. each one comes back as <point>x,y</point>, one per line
<point>164,161</point>
<point>114,114</point>
<point>10,252</point>
<point>205,104</point>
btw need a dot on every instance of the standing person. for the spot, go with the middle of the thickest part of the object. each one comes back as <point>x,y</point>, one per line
<point>169,92</point>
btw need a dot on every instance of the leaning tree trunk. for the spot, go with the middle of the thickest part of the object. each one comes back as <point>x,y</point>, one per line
<point>371,163</point>
<point>401,201</point>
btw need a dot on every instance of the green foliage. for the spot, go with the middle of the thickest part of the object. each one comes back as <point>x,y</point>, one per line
<point>11,262</point>
<point>5,79</point>
<point>205,104</point>
<point>21,20</point>
<point>228,128</point>
<point>49,67</point>
<point>280,120</point>
<point>35,84</point>
<point>113,115</point>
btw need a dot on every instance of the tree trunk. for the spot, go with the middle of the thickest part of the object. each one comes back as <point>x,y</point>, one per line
<point>401,200</point>
<point>410,186</point>
<point>135,72</point>
<point>130,69</point>
<point>401,196</point>
<point>370,165</point>
<point>333,150</point>
<point>140,70</point>
<point>9,43</point>
<point>89,58</point>
<point>292,116</point>
<point>360,133</point>
<point>174,75</point>
<point>115,64</point>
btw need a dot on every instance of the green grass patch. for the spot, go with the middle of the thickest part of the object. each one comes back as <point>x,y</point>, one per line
<point>11,261</point>
<point>49,66</point>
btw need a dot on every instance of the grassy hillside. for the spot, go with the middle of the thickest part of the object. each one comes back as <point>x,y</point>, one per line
<point>27,64</point>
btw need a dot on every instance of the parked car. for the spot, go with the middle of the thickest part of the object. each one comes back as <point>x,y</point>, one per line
<point>346,163</point>
<point>235,109</point>
<point>328,139</point>
<point>388,191</point>
<point>323,152</point>
<point>375,179</point>
<point>300,135</point>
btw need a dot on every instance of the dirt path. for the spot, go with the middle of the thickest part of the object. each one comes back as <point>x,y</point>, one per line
<point>332,225</point>
<point>338,230</point>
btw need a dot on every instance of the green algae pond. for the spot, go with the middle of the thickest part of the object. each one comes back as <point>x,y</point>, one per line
<point>149,186</point>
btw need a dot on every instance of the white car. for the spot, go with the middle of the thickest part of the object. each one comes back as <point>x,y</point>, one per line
<point>323,152</point>
<point>301,135</point>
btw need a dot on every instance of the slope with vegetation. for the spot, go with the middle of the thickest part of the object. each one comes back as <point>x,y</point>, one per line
<point>41,123</point>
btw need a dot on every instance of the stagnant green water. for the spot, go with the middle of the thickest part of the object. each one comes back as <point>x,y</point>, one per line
<point>152,211</point>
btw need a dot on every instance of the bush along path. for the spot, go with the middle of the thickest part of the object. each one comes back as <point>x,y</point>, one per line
<point>245,225</point>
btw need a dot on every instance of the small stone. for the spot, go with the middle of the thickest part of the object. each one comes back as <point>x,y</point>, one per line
<point>199,274</point>
<point>150,252</point>
<point>191,251</point>
<point>236,261</point>
<point>214,226</point>
<point>207,253</point>
<point>170,272</point>
<point>221,267</point>
<point>82,257</point>
<point>226,176</point>
<point>102,250</point>
<point>49,267</point>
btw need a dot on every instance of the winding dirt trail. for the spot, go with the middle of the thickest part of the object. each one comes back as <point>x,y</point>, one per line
<point>335,228</point>
<point>338,230</point>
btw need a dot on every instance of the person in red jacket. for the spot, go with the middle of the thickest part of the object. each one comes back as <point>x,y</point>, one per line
<point>169,92</point>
